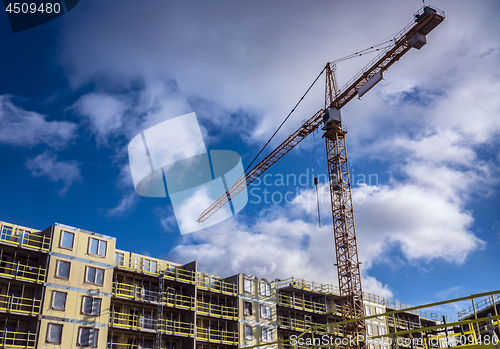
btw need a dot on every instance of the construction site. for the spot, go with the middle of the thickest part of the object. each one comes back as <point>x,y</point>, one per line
<point>66,287</point>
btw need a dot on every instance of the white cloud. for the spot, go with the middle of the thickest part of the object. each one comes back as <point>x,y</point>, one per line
<point>125,205</point>
<point>20,127</point>
<point>103,112</point>
<point>46,165</point>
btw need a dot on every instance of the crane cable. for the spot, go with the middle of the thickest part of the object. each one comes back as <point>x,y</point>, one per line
<point>315,169</point>
<point>296,105</point>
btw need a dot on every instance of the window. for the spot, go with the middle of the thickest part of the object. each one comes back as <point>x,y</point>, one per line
<point>97,247</point>
<point>368,310</point>
<point>94,276</point>
<point>265,311</point>
<point>372,346</point>
<point>369,330</point>
<point>248,308</point>
<point>267,334</point>
<point>248,332</point>
<point>119,258</point>
<point>381,331</point>
<point>247,285</point>
<point>149,266</point>
<point>63,268</point>
<point>265,289</point>
<point>59,300</point>
<point>67,240</point>
<point>88,337</point>
<point>379,311</point>
<point>91,306</point>
<point>54,333</point>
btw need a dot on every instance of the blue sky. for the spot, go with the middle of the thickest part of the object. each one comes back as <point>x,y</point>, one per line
<point>76,90</point>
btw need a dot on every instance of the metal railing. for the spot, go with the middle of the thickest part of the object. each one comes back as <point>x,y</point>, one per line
<point>14,304</point>
<point>154,268</point>
<point>141,322</point>
<point>20,271</point>
<point>213,284</point>
<point>24,238</point>
<point>217,310</point>
<point>302,325</point>
<point>136,292</point>
<point>479,306</point>
<point>217,336</point>
<point>302,304</point>
<point>12,339</point>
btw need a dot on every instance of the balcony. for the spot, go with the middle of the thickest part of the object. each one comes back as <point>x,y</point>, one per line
<point>154,268</point>
<point>301,304</point>
<point>217,310</point>
<point>216,285</point>
<point>151,324</point>
<point>20,271</point>
<point>24,238</point>
<point>217,336</point>
<point>403,324</point>
<point>11,339</point>
<point>309,286</point>
<point>301,325</point>
<point>138,293</point>
<point>19,305</point>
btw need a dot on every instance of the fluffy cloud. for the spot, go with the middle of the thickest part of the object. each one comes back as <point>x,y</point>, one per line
<point>125,205</point>
<point>46,165</point>
<point>26,128</point>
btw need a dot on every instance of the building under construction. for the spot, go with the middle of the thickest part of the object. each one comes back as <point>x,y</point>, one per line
<point>64,287</point>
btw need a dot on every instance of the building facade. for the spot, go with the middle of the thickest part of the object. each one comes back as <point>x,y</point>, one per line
<point>65,287</point>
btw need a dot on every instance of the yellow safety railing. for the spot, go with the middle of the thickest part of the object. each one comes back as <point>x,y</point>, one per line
<point>24,238</point>
<point>219,336</point>
<point>302,304</point>
<point>301,325</point>
<point>402,323</point>
<point>308,286</point>
<point>154,268</point>
<point>17,270</point>
<point>12,339</point>
<point>335,308</point>
<point>330,289</point>
<point>217,310</point>
<point>213,284</point>
<point>140,322</point>
<point>481,305</point>
<point>14,304</point>
<point>137,292</point>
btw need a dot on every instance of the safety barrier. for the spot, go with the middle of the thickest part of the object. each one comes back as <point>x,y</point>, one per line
<point>12,339</point>
<point>24,238</point>
<point>136,292</point>
<point>14,304</point>
<point>216,285</point>
<point>217,310</point>
<point>20,271</point>
<point>302,304</point>
<point>147,322</point>
<point>216,336</point>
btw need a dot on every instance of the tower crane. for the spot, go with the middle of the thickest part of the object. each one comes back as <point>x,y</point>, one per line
<point>329,119</point>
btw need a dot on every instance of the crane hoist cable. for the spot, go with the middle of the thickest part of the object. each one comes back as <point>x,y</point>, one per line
<point>315,169</point>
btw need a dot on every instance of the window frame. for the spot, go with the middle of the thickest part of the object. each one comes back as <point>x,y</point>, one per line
<point>369,329</point>
<point>93,299</point>
<point>269,334</point>
<point>245,308</point>
<point>381,331</point>
<point>61,240</point>
<point>265,289</point>
<point>120,259</point>
<point>368,310</point>
<point>78,343</point>
<point>47,337</point>
<point>87,267</point>
<point>249,282</point>
<point>248,337</point>
<point>57,269</point>
<point>99,241</point>
<point>268,313</point>
<point>379,311</point>
<point>54,296</point>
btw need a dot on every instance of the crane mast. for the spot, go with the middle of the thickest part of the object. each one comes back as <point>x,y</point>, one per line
<point>329,118</point>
